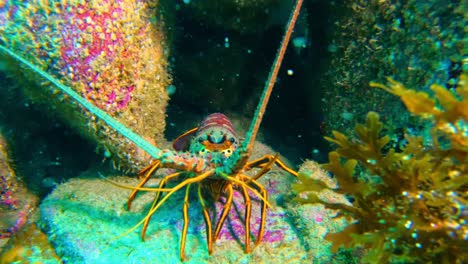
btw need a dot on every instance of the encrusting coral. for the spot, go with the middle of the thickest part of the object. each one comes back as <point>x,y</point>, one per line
<point>409,204</point>
<point>113,53</point>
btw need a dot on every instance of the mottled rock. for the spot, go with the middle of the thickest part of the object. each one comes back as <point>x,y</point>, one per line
<point>87,220</point>
<point>113,53</point>
<point>30,245</point>
<point>16,202</point>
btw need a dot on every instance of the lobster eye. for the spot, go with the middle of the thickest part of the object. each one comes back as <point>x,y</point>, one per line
<point>232,139</point>
<point>200,139</point>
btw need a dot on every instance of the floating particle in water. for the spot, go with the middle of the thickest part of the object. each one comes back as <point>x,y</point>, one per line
<point>347,116</point>
<point>170,90</point>
<point>299,42</point>
<point>332,48</point>
<point>48,182</point>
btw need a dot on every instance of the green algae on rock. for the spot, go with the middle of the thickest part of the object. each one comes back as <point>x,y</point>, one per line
<point>416,42</point>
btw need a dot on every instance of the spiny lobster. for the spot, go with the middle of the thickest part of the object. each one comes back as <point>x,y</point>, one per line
<point>209,156</point>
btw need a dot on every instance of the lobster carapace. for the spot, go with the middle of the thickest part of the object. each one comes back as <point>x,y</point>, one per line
<point>214,138</point>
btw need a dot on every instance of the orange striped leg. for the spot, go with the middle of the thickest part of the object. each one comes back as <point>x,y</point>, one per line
<point>264,195</point>
<point>227,208</point>
<point>170,192</point>
<point>148,167</point>
<point>248,211</point>
<point>267,161</point>
<point>147,171</point>
<point>209,232</point>
<point>156,201</point>
<point>186,222</point>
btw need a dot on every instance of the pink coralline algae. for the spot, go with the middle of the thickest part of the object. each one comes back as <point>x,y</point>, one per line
<point>90,44</point>
<point>319,218</point>
<point>92,48</point>
<point>113,53</point>
<point>21,220</point>
<point>6,197</point>
<point>234,227</point>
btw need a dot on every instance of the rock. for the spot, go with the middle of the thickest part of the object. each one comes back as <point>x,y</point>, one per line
<point>87,220</point>
<point>110,53</point>
<point>30,245</point>
<point>16,202</point>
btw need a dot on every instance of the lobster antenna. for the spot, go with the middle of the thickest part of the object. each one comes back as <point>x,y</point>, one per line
<point>247,145</point>
<point>123,130</point>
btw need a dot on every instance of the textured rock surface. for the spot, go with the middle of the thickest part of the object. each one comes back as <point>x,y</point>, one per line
<point>86,219</point>
<point>418,43</point>
<point>16,202</point>
<point>108,51</point>
<point>30,245</point>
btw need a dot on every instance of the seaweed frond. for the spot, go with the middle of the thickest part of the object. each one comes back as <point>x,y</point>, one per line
<point>409,204</point>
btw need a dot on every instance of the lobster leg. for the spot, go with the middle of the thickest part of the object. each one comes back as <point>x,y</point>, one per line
<point>264,194</point>
<point>156,200</point>
<point>266,163</point>
<point>170,191</point>
<point>264,198</point>
<point>147,171</point>
<point>206,215</point>
<point>186,222</point>
<point>227,208</point>
<point>248,211</point>
<point>148,167</point>
<point>209,235</point>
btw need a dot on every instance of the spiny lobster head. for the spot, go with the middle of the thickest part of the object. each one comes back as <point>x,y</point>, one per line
<point>214,138</point>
